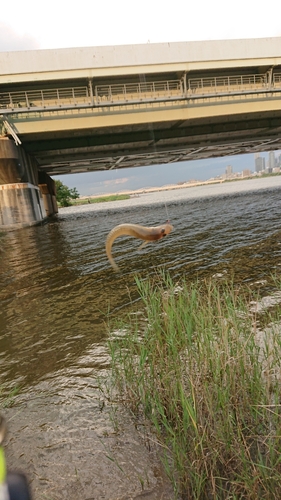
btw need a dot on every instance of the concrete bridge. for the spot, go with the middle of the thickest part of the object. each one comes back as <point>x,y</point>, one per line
<point>96,108</point>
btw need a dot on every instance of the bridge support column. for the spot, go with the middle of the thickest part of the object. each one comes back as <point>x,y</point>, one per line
<point>21,202</point>
<point>47,187</point>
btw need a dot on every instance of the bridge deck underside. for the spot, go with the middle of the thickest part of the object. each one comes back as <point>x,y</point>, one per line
<point>156,143</point>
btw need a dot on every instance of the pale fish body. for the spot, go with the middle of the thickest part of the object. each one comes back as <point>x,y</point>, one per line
<point>144,233</point>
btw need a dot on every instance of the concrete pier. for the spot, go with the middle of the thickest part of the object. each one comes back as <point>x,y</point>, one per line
<point>21,200</point>
<point>47,187</point>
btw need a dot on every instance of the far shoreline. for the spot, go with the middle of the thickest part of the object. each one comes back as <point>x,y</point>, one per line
<point>171,187</point>
<point>166,196</point>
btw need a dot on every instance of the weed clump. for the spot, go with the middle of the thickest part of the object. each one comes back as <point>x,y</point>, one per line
<point>209,382</point>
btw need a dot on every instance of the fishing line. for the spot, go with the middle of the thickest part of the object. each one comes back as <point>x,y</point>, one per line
<point>168,218</point>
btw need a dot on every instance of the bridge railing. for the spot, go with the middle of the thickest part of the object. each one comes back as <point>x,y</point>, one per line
<point>138,91</point>
<point>227,83</point>
<point>191,90</point>
<point>44,98</point>
<point>277,80</point>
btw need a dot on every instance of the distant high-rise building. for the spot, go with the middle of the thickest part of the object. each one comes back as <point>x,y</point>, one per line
<point>228,170</point>
<point>259,163</point>
<point>271,160</point>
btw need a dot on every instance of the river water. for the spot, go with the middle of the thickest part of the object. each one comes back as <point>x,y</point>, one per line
<point>57,294</point>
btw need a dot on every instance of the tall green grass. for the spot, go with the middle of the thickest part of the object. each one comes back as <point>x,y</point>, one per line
<point>209,385</point>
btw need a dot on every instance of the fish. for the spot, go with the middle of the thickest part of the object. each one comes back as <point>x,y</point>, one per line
<point>142,232</point>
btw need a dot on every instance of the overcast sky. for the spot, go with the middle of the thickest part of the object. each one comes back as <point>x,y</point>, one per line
<point>27,25</point>
<point>60,23</point>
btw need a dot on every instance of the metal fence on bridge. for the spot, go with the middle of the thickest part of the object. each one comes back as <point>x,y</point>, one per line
<point>190,90</point>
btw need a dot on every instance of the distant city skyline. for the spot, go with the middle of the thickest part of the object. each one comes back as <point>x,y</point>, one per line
<point>130,179</point>
<point>273,162</point>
